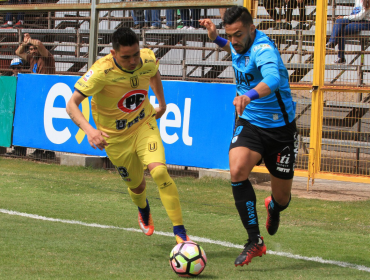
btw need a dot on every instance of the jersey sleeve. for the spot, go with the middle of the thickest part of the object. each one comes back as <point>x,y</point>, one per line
<point>265,53</point>
<point>149,57</point>
<point>267,63</point>
<point>90,83</point>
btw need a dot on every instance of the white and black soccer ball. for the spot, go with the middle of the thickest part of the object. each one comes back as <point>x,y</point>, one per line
<point>188,259</point>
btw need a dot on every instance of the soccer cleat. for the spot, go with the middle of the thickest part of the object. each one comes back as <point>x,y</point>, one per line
<point>251,250</point>
<point>181,238</point>
<point>272,222</point>
<point>145,221</point>
<point>180,234</point>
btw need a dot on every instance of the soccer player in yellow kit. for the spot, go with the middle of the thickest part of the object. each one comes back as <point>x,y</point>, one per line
<point>126,123</point>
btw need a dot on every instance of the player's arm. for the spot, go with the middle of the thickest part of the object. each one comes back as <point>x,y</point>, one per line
<point>157,87</point>
<point>269,69</point>
<point>94,136</point>
<point>212,35</point>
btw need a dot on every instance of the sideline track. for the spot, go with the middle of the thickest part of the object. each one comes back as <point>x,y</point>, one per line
<point>195,238</point>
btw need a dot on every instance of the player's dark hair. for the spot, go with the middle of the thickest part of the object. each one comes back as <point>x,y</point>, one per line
<point>124,36</point>
<point>238,13</point>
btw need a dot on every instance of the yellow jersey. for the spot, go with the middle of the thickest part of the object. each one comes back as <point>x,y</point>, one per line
<point>120,100</point>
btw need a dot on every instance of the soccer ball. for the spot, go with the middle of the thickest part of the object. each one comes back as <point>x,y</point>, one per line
<point>188,259</point>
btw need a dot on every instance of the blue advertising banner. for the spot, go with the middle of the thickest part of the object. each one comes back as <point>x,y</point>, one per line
<point>41,120</point>
<point>198,124</point>
<point>196,129</point>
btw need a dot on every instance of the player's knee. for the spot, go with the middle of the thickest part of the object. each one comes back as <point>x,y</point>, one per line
<point>160,174</point>
<point>238,174</point>
<point>140,188</point>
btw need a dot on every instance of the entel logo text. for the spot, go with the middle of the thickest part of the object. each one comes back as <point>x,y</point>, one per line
<point>60,137</point>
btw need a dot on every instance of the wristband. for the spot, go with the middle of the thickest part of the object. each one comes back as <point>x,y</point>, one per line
<point>252,94</point>
<point>221,42</point>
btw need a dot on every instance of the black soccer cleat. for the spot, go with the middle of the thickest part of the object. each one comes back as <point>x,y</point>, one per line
<point>251,250</point>
<point>273,219</point>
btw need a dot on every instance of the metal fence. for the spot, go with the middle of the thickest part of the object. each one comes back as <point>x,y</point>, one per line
<point>332,98</point>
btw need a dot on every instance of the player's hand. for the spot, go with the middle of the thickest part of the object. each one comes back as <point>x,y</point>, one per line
<point>160,110</point>
<point>240,102</point>
<point>96,139</point>
<point>339,17</point>
<point>211,28</point>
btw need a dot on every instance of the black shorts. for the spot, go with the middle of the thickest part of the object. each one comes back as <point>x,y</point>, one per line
<point>277,146</point>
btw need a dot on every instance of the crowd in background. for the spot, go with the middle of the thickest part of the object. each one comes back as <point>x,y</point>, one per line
<point>280,14</point>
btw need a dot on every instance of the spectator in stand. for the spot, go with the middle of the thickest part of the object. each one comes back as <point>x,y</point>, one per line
<point>16,65</point>
<point>353,24</point>
<point>302,15</point>
<point>170,19</point>
<point>187,23</point>
<point>9,16</point>
<point>290,5</point>
<point>138,17</point>
<point>303,25</point>
<point>41,62</point>
<point>153,17</point>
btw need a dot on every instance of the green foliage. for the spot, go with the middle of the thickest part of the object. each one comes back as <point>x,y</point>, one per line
<point>39,249</point>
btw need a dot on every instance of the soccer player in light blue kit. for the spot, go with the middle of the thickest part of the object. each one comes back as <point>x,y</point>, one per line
<point>265,128</point>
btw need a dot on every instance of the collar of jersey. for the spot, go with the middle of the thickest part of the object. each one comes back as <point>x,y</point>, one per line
<point>126,71</point>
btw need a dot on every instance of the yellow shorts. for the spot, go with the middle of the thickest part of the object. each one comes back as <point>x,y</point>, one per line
<point>134,153</point>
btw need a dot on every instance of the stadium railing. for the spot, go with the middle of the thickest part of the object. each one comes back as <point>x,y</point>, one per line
<point>197,59</point>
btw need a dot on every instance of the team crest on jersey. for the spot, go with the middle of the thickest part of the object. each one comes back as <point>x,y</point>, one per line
<point>132,100</point>
<point>152,146</point>
<point>134,81</point>
<point>88,75</point>
<point>246,60</point>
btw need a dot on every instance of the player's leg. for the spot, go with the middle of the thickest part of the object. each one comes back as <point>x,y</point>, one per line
<point>281,150</point>
<point>138,196</point>
<point>151,151</point>
<point>242,159</point>
<point>277,202</point>
<point>130,168</point>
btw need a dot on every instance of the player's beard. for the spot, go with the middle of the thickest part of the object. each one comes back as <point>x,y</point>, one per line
<point>248,44</point>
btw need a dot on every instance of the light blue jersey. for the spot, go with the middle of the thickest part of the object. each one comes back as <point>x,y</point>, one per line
<point>262,62</point>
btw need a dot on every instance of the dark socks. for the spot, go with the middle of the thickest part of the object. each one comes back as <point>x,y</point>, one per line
<point>275,207</point>
<point>245,202</point>
<point>145,213</point>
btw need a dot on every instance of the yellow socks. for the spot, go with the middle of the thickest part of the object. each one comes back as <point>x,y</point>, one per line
<point>138,199</point>
<point>168,193</point>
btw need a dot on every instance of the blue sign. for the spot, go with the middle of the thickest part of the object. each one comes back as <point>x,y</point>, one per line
<point>41,120</point>
<point>198,124</point>
<point>196,129</point>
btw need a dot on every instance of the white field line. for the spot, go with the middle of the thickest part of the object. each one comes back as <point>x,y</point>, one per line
<point>194,238</point>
